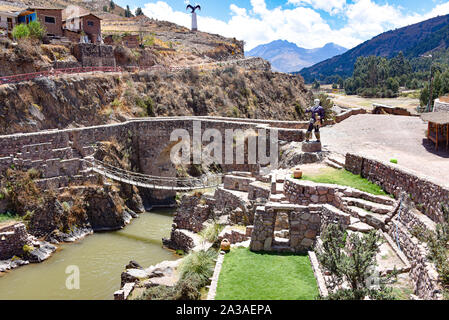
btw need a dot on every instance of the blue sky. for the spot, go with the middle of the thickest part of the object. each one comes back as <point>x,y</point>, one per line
<point>308,23</point>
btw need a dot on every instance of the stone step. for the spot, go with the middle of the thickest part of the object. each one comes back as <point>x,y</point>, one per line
<point>360,227</point>
<point>277,197</point>
<point>354,193</point>
<point>368,205</point>
<point>337,159</point>
<point>375,220</point>
<point>333,164</point>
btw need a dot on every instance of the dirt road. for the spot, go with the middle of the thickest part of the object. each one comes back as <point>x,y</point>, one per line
<point>384,137</point>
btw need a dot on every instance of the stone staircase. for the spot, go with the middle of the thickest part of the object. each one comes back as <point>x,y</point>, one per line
<point>368,211</point>
<point>335,161</point>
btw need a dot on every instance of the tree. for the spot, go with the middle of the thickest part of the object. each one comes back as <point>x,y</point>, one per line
<point>128,13</point>
<point>138,12</point>
<point>37,31</point>
<point>20,31</point>
<point>112,5</point>
<point>316,85</point>
<point>352,259</point>
<point>105,8</point>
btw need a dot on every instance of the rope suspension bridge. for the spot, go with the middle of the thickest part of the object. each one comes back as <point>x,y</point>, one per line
<point>153,182</point>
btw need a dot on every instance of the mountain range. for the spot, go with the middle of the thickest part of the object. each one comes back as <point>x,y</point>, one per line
<point>413,40</point>
<point>286,56</point>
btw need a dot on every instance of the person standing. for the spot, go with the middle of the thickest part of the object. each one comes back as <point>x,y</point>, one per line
<point>316,120</point>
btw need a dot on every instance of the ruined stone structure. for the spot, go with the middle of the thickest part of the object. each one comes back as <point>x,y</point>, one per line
<point>59,154</point>
<point>94,55</point>
<point>441,105</point>
<point>12,240</point>
<point>423,191</point>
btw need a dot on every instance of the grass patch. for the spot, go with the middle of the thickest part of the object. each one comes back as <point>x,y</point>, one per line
<point>344,178</point>
<point>8,217</point>
<point>247,275</point>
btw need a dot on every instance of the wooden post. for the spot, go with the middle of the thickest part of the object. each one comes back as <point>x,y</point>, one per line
<point>436,145</point>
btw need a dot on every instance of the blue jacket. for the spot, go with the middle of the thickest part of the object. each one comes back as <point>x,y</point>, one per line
<point>317,110</point>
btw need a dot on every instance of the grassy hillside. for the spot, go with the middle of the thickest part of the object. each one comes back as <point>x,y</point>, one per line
<point>413,40</point>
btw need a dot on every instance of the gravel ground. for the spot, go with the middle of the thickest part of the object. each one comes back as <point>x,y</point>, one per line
<point>384,137</point>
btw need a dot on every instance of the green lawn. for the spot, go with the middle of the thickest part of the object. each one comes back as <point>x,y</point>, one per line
<point>247,275</point>
<point>8,217</point>
<point>344,178</point>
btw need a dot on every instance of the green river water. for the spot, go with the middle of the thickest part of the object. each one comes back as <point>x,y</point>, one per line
<point>100,257</point>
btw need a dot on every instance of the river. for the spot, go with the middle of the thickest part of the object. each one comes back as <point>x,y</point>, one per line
<point>100,258</point>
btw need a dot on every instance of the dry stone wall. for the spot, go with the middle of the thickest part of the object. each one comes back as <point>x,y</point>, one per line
<point>12,240</point>
<point>423,191</point>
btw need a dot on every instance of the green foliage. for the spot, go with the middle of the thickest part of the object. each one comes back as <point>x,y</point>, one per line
<point>247,275</point>
<point>211,232</point>
<point>395,161</point>
<point>8,216</point>
<point>37,31</point>
<point>34,30</point>
<point>112,5</point>
<point>128,13</point>
<point>344,178</point>
<point>352,259</point>
<point>438,243</point>
<point>20,31</point>
<point>327,104</point>
<point>377,76</point>
<point>105,8</point>
<point>316,85</point>
<point>138,12</point>
<point>201,263</point>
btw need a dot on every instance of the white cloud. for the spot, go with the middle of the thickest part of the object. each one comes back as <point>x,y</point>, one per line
<point>331,6</point>
<point>301,25</point>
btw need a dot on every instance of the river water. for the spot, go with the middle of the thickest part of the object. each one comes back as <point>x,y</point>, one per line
<point>100,258</point>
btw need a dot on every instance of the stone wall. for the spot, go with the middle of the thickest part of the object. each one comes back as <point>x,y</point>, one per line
<point>394,180</point>
<point>352,112</point>
<point>422,272</point>
<point>238,183</point>
<point>94,55</point>
<point>440,106</point>
<point>304,225</point>
<point>12,240</point>
<point>191,214</point>
<point>305,192</point>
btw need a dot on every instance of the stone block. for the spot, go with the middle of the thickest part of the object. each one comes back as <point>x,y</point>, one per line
<point>312,146</point>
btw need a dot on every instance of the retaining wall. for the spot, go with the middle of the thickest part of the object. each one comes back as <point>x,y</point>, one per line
<point>423,191</point>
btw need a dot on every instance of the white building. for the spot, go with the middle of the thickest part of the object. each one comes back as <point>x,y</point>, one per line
<point>8,19</point>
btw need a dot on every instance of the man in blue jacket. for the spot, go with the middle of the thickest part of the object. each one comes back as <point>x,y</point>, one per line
<point>316,120</point>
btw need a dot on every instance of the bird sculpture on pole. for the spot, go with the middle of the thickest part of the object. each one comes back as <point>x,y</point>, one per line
<point>193,9</point>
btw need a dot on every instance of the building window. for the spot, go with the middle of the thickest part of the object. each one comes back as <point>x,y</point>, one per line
<point>50,20</point>
<point>90,23</point>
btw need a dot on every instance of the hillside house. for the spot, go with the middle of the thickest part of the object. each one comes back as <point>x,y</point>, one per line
<point>8,19</point>
<point>50,18</point>
<point>86,23</point>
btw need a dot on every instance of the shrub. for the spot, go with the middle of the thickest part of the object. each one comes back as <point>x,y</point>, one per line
<point>37,31</point>
<point>198,264</point>
<point>352,259</point>
<point>211,232</point>
<point>20,31</point>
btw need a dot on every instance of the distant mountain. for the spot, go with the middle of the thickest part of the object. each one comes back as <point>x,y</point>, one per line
<point>285,56</point>
<point>412,40</point>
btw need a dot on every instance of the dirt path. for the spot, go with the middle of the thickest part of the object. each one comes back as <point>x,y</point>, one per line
<point>367,103</point>
<point>384,137</point>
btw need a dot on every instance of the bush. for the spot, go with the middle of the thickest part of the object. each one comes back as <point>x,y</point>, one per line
<point>20,31</point>
<point>352,259</point>
<point>211,232</point>
<point>198,264</point>
<point>37,31</point>
<point>34,30</point>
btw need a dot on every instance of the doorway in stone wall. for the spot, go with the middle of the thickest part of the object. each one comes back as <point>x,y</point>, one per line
<point>281,236</point>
